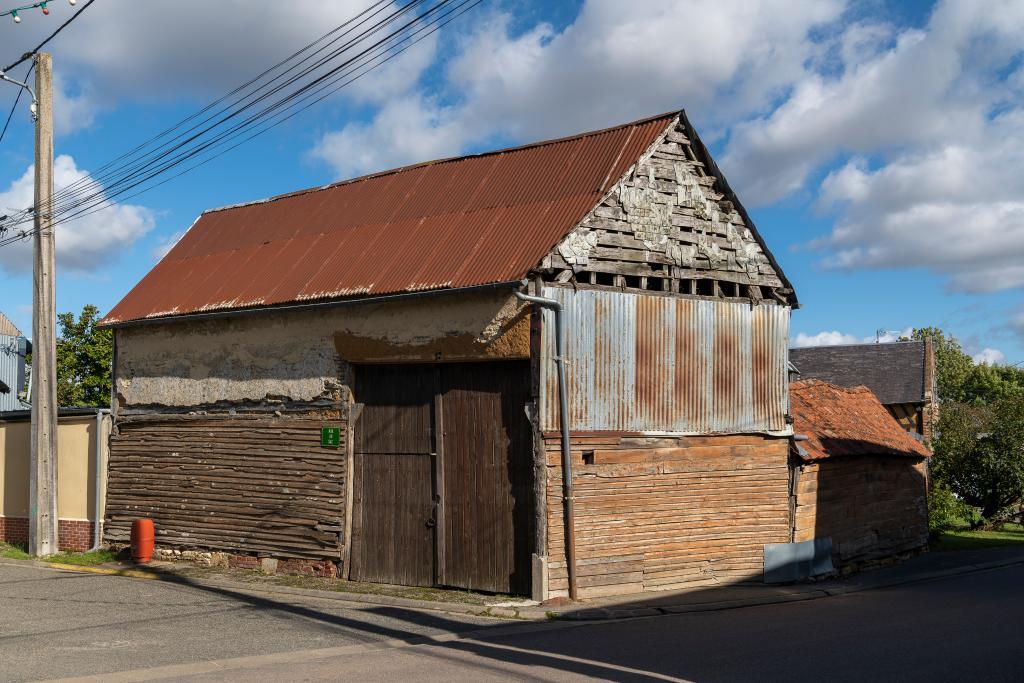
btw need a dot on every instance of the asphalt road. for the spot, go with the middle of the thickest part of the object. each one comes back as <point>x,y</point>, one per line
<point>967,628</point>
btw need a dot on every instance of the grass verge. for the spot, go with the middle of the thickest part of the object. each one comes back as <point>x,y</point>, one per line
<point>966,539</point>
<point>19,551</point>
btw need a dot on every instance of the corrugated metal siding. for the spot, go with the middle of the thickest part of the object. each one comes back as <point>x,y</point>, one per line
<point>642,363</point>
<point>452,223</point>
<point>12,371</point>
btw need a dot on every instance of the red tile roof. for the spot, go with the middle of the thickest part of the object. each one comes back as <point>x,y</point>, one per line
<point>451,223</point>
<point>839,421</point>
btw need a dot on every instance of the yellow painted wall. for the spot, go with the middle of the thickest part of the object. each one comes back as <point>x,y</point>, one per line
<point>76,474</point>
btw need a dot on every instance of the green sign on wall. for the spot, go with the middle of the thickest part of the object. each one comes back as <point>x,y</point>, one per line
<point>330,437</point>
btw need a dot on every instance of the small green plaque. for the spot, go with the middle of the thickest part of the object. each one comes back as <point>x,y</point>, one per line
<point>330,437</point>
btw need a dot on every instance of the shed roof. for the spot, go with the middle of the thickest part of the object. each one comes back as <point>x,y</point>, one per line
<point>7,328</point>
<point>452,223</point>
<point>895,372</point>
<point>841,421</point>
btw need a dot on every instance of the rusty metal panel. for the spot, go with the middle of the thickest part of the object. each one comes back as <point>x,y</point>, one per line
<point>458,222</point>
<point>647,363</point>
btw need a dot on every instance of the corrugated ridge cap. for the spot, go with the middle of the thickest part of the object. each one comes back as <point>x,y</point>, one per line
<point>667,116</point>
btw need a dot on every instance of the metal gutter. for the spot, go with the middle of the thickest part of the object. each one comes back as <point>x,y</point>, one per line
<point>563,399</point>
<point>334,303</point>
<point>98,485</point>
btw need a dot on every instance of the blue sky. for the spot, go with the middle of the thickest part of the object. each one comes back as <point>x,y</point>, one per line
<point>879,146</point>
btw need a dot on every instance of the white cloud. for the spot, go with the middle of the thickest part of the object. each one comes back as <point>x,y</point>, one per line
<point>166,243</point>
<point>936,127</point>
<point>989,356</point>
<point>407,129</point>
<point>831,338</point>
<point>835,337</point>
<point>720,58</point>
<point>84,244</point>
<point>119,50</point>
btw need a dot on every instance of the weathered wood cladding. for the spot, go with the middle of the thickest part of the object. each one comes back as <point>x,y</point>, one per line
<point>647,363</point>
<point>663,513</point>
<point>871,507</point>
<point>670,225</point>
<point>251,485</point>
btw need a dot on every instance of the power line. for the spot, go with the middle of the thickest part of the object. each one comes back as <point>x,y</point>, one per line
<point>128,171</point>
<point>17,99</point>
<point>134,174</point>
<point>37,48</point>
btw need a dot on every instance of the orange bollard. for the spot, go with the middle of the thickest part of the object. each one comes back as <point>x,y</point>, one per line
<point>142,540</point>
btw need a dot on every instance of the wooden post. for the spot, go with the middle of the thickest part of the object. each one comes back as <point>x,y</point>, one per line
<point>42,527</point>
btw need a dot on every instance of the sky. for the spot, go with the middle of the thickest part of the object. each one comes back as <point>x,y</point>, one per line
<point>877,145</point>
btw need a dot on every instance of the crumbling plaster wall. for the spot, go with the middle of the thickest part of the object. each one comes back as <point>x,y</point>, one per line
<point>302,355</point>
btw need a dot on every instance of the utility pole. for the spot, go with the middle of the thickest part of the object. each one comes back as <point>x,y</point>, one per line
<point>42,523</point>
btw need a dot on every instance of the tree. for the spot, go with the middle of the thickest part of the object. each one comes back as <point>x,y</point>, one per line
<point>979,454</point>
<point>952,365</point>
<point>961,381</point>
<point>84,359</point>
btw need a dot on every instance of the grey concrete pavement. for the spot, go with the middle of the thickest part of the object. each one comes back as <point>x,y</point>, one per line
<point>55,624</point>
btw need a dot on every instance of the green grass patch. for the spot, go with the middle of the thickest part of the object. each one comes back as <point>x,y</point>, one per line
<point>84,559</point>
<point>966,539</point>
<point>14,551</point>
<point>19,551</point>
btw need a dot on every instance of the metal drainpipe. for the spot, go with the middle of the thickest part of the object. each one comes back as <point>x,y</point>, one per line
<point>563,400</point>
<point>98,490</point>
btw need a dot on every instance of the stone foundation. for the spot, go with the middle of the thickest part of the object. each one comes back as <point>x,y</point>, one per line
<point>267,565</point>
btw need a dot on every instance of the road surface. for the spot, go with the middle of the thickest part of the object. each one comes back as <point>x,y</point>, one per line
<point>55,624</point>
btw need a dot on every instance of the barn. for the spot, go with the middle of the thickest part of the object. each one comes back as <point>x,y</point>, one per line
<point>558,369</point>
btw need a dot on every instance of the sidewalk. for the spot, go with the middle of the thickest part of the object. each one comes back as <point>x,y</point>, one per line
<point>921,568</point>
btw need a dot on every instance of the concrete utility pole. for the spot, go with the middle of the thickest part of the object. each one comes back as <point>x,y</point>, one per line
<point>42,522</point>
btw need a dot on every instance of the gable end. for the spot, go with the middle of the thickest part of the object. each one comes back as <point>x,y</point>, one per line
<point>671,224</point>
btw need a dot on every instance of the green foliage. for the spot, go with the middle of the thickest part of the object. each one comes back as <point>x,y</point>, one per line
<point>952,365</point>
<point>945,511</point>
<point>84,357</point>
<point>959,380</point>
<point>979,454</point>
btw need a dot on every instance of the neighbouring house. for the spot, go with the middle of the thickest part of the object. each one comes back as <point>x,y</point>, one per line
<point>14,348</point>
<point>344,381</point>
<point>81,463</point>
<point>901,374</point>
<point>860,479</point>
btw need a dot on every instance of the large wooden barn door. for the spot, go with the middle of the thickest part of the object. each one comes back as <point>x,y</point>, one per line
<point>487,477</point>
<point>393,511</point>
<point>442,471</point>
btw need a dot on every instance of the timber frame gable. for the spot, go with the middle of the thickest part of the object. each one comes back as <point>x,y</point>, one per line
<point>671,224</point>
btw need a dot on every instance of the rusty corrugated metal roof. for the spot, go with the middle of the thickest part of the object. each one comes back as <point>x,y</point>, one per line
<point>451,223</point>
<point>840,421</point>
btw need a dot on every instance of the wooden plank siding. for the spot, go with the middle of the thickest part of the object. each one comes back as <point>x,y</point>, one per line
<point>871,507</point>
<point>664,513</point>
<point>229,483</point>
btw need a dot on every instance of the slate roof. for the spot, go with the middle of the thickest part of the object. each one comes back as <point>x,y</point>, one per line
<point>453,223</point>
<point>841,421</point>
<point>895,371</point>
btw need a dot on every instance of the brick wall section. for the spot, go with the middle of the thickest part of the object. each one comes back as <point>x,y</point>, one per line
<point>73,534</point>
